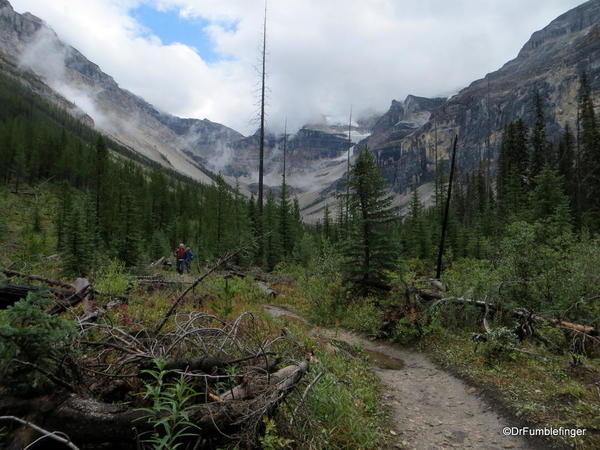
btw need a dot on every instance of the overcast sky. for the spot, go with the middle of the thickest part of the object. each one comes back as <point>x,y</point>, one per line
<point>199,58</point>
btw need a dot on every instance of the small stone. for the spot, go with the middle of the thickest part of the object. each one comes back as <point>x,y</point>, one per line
<point>508,445</point>
<point>393,433</point>
<point>472,390</point>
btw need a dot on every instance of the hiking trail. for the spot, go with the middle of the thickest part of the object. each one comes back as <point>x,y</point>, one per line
<point>431,409</point>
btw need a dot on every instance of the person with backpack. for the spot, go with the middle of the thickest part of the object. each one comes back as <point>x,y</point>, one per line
<point>180,256</point>
<point>189,256</point>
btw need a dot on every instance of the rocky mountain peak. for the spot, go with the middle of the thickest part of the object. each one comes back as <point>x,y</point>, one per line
<point>576,20</point>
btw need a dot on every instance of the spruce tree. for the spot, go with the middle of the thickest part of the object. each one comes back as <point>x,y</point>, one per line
<point>548,202</point>
<point>513,163</point>
<point>77,242</point>
<point>539,145</point>
<point>590,155</point>
<point>369,252</point>
<point>326,222</point>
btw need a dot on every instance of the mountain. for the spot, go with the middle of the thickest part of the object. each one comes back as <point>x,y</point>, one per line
<point>30,50</point>
<point>551,62</point>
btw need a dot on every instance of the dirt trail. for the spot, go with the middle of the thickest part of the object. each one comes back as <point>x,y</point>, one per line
<point>431,408</point>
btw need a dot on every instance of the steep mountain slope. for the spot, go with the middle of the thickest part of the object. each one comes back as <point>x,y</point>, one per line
<point>551,62</point>
<point>28,44</point>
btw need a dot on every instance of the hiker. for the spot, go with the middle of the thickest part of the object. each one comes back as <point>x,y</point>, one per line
<point>180,255</point>
<point>189,256</point>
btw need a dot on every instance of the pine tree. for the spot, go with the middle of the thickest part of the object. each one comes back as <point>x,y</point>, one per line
<point>539,145</point>
<point>418,238</point>
<point>513,162</point>
<point>326,223</point>
<point>369,252</point>
<point>590,155</point>
<point>548,202</point>
<point>285,219</point>
<point>78,246</point>
<point>272,242</point>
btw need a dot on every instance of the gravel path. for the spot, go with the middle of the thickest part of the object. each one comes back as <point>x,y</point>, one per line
<point>432,409</point>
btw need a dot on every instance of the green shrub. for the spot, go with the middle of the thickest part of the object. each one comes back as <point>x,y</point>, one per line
<point>362,315</point>
<point>405,332</point>
<point>271,440</point>
<point>111,279</point>
<point>30,335</point>
<point>500,345</point>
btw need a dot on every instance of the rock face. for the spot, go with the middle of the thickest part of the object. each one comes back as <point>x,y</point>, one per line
<point>551,62</point>
<point>28,45</point>
<point>406,140</point>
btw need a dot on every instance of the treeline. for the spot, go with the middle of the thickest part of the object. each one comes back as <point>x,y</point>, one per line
<point>527,226</point>
<point>534,180</point>
<point>111,206</point>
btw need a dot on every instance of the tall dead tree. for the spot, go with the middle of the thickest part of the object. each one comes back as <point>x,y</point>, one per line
<point>438,272</point>
<point>262,118</point>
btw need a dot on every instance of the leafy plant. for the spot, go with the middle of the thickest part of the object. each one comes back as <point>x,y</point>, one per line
<point>112,279</point>
<point>500,345</point>
<point>172,406</point>
<point>271,440</point>
<point>405,331</point>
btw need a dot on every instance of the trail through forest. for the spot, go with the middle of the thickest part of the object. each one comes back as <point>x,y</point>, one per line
<point>431,408</point>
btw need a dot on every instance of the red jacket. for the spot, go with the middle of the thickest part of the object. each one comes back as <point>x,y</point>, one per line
<point>180,253</point>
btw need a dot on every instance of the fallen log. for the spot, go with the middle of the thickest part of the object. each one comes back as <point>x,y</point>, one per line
<point>14,273</point>
<point>522,314</point>
<point>12,293</point>
<point>265,289</point>
<point>88,421</point>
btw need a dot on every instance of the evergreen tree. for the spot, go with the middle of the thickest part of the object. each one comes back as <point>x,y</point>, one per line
<point>327,223</point>
<point>78,246</point>
<point>513,162</point>
<point>285,219</point>
<point>548,202</point>
<point>369,251</point>
<point>418,237</point>
<point>590,155</point>
<point>539,145</point>
<point>566,166</point>
<point>272,246</point>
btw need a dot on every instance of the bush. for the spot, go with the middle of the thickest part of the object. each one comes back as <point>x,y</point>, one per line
<point>30,335</point>
<point>405,332</point>
<point>112,279</point>
<point>363,315</point>
<point>500,345</point>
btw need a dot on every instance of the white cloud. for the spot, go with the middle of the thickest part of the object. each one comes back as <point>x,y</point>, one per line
<point>323,56</point>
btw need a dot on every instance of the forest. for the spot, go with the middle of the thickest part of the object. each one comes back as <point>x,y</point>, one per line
<point>195,361</point>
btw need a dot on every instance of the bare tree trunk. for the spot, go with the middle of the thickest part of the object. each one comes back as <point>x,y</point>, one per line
<point>438,272</point>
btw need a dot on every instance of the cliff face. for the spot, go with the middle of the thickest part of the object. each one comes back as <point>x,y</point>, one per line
<point>28,46</point>
<point>551,62</point>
